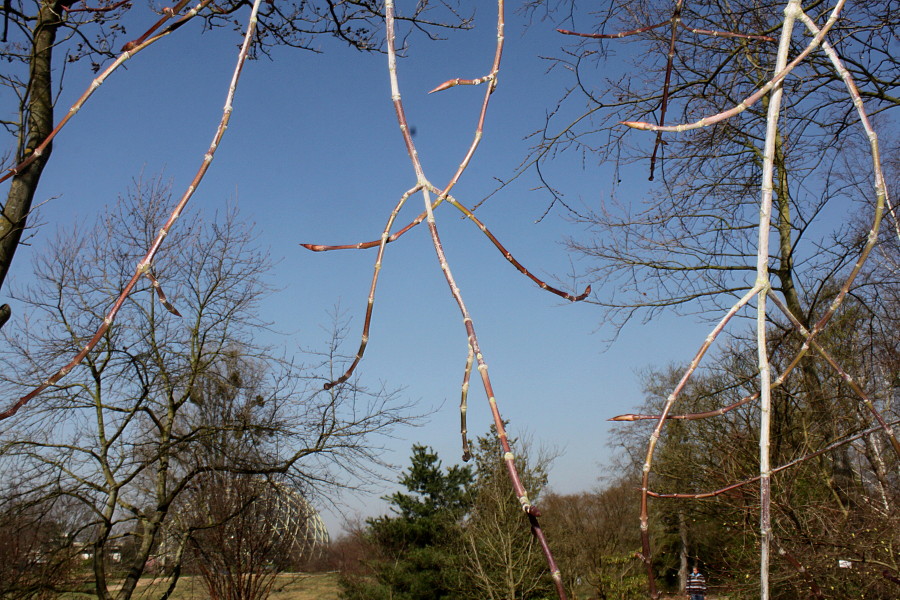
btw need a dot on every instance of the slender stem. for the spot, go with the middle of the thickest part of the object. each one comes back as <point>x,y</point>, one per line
<point>168,13</point>
<point>762,281</point>
<point>691,416</point>
<point>146,262</point>
<point>491,80</point>
<point>670,63</point>
<point>96,83</point>
<point>370,304</point>
<point>646,550</point>
<point>508,255</point>
<point>784,467</point>
<point>162,296</point>
<point>509,459</point>
<point>620,34</point>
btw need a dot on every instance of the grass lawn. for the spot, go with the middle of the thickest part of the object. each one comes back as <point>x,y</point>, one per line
<point>321,586</point>
<point>315,586</point>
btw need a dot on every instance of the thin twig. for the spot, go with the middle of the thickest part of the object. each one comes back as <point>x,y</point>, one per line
<point>508,456</point>
<point>842,373</point>
<point>753,98</point>
<point>646,551</point>
<point>785,466</point>
<point>97,82</point>
<point>370,304</point>
<point>508,256</point>
<point>630,417</point>
<point>144,265</point>
<point>667,80</point>
<point>162,296</point>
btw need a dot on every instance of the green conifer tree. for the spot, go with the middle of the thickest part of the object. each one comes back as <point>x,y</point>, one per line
<point>413,550</point>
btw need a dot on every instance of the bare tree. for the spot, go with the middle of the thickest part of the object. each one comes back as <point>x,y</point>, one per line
<point>692,242</point>
<point>715,460</point>
<point>246,531</point>
<point>596,540</point>
<point>164,399</point>
<point>37,557</point>
<point>499,558</point>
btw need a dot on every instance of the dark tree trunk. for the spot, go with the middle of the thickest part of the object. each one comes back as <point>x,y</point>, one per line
<point>38,106</point>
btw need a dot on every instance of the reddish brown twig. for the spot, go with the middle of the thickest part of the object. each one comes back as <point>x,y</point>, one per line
<point>373,243</point>
<point>370,304</point>
<point>508,456</point>
<point>455,82</point>
<point>690,416</point>
<point>620,34</point>
<point>508,256</point>
<point>168,13</point>
<point>97,82</point>
<point>729,34</point>
<point>785,466</point>
<point>162,296</point>
<point>670,63</point>
<point>144,265</point>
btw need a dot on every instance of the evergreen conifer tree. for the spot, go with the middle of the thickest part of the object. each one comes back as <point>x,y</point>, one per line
<point>413,550</point>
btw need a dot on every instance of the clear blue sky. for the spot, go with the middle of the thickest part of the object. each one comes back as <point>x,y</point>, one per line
<point>313,154</point>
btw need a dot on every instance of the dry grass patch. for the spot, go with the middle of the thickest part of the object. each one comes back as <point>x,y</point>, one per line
<point>313,586</point>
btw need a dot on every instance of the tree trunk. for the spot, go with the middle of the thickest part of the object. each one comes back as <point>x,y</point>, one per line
<point>38,106</point>
<point>683,566</point>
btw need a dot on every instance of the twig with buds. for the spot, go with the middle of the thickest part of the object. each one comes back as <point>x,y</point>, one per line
<point>144,265</point>
<point>127,53</point>
<point>530,510</point>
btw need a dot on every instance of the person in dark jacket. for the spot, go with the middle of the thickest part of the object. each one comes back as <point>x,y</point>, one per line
<point>696,585</point>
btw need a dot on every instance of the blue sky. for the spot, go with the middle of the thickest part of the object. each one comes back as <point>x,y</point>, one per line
<point>313,154</point>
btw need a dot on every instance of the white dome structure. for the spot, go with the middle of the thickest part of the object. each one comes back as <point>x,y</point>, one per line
<point>272,510</point>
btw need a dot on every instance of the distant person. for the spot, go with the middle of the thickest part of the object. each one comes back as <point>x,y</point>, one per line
<point>696,585</point>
